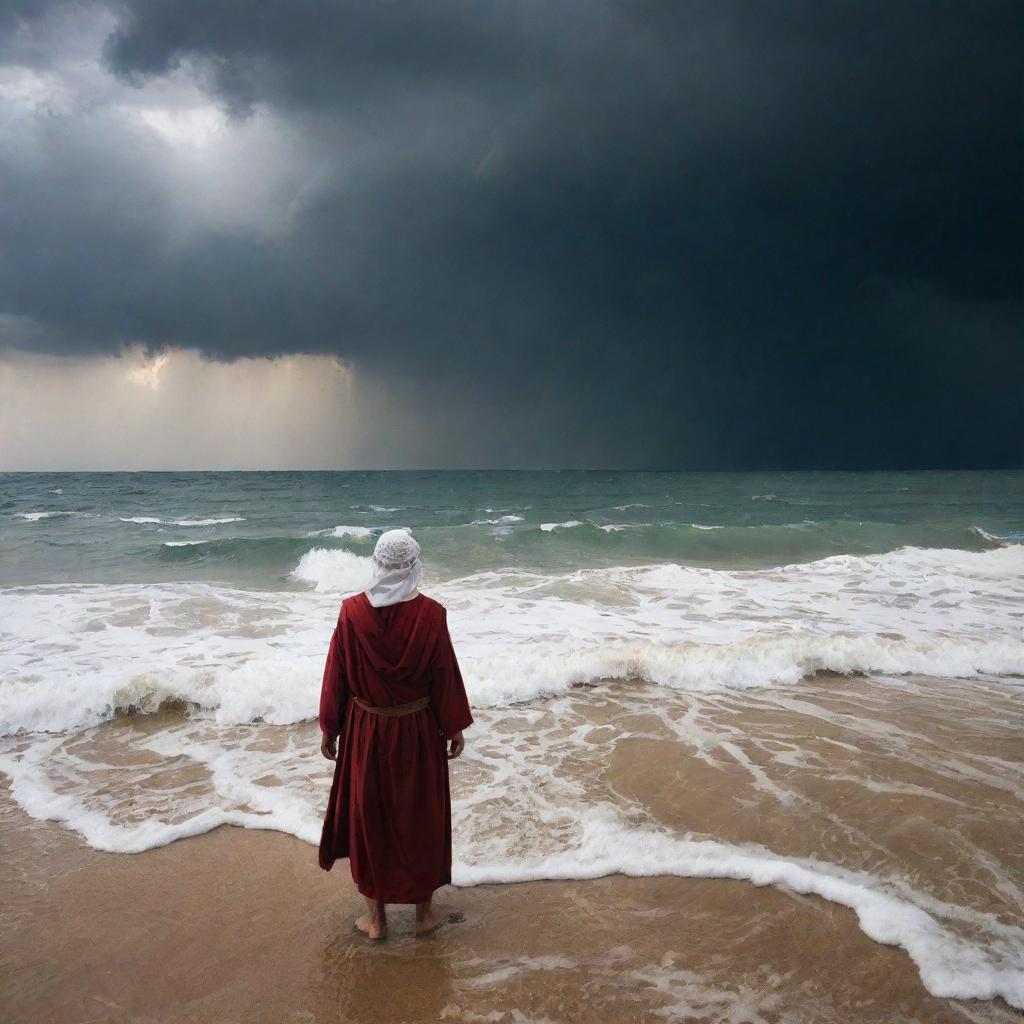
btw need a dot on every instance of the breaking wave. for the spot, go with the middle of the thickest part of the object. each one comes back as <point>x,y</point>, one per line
<point>334,571</point>
<point>355,532</point>
<point>155,520</point>
<point>35,517</point>
<point>246,655</point>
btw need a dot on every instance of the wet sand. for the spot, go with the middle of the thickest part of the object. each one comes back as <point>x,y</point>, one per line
<point>242,925</point>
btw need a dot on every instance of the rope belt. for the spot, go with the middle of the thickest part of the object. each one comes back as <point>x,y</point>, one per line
<point>394,710</point>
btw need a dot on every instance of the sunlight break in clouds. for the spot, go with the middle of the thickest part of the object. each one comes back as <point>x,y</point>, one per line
<point>148,375</point>
<point>196,126</point>
<point>174,410</point>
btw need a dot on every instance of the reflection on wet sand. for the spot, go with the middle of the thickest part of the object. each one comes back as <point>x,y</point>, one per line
<point>402,979</point>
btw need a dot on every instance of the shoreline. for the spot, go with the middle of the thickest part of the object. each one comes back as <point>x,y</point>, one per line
<point>243,925</point>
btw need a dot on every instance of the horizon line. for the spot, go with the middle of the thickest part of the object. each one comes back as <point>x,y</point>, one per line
<point>557,469</point>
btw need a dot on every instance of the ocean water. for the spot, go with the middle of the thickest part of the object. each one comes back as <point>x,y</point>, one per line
<point>831,662</point>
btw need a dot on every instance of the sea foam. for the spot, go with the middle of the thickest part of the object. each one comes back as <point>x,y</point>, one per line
<point>35,517</point>
<point>156,520</point>
<point>602,844</point>
<point>354,532</point>
<point>334,571</point>
<point>949,966</point>
<point>520,636</point>
<point>567,525</point>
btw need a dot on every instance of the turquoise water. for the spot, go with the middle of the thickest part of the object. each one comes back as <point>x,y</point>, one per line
<point>160,527</point>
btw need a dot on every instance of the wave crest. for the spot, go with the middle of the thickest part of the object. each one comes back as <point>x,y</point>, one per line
<point>520,636</point>
<point>156,520</point>
<point>334,571</point>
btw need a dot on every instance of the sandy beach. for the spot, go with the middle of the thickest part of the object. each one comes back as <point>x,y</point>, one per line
<point>242,925</point>
<point>239,925</point>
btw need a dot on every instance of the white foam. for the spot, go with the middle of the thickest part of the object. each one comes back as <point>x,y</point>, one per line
<point>355,532</point>
<point>995,538</point>
<point>701,526</point>
<point>35,517</point>
<point>215,521</point>
<point>941,613</point>
<point>272,809</point>
<point>334,571</point>
<point>500,521</point>
<point>525,805</point>
<point>950,967</point>
<point>154,520</point>
<point>570,524</point>
<point>71,655</point>
<point>553,667</point>
<point>591,841</point>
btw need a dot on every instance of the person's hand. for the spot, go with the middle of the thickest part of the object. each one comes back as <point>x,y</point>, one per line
<point>458,744</point>
<point>329,746</point>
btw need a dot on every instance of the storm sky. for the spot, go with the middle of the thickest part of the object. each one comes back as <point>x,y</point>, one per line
<point>511,233</point>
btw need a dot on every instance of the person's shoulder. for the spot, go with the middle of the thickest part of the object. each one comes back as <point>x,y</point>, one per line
<point>351,602</point>
<point>433,607</point>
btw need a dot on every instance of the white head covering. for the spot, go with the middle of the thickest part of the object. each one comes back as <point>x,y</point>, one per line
<point>397,568</point>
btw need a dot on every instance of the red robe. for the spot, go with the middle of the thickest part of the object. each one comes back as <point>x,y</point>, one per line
<point>389,810</point>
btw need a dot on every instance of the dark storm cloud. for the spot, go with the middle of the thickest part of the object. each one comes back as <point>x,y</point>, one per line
<point>710,234</point>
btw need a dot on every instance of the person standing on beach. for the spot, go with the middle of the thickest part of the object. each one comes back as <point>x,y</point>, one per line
<point>392,691</point>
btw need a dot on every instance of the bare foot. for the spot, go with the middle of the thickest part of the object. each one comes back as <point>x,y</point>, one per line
<point>435,917</point>
<point>372,927</point>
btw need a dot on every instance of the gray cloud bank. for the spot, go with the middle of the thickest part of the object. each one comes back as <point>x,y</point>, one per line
<point>695,234</point>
